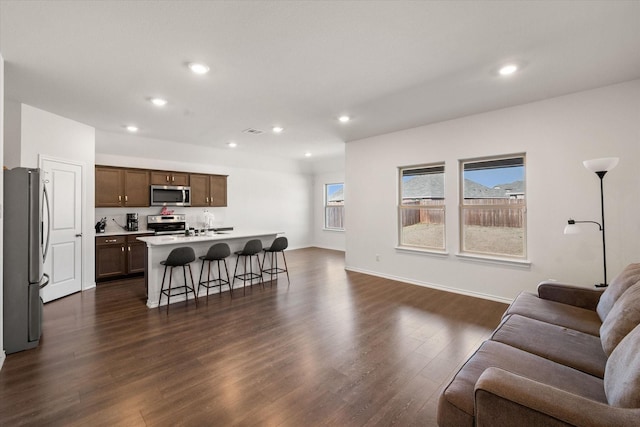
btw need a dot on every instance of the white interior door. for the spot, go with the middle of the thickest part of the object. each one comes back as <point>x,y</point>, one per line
<point>64,260</point>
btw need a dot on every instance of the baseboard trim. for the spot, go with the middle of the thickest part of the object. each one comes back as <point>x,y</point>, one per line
<point>432,285</point>
<point>2,357</point>
<point>328,248</point>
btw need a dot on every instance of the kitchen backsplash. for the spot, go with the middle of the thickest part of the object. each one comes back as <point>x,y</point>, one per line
<point>117,217</point>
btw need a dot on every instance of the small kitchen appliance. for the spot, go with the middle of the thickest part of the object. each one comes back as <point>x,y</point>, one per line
<point>132,222</point>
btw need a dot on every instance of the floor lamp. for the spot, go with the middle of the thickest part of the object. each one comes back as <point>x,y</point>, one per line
<point>600,167</point>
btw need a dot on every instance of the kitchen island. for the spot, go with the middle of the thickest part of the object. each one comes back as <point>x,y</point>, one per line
<point>159,247</point>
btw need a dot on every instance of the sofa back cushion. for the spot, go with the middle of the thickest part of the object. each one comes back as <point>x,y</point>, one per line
<point>623,281</point>
<point>622,373</point>
<point>623,317</point>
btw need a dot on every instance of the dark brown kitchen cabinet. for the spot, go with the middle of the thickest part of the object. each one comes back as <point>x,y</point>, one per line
<point>208,190</point>
<point>110,257</point>
<point>199,189</point>
<point>136,254</point>
<point>120,256</point>
<point>169,178</point>
<point>218,190</point>
<point>109,185</point>
<point>119,187</point>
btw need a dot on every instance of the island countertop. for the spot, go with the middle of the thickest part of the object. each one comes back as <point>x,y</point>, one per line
<point>178,239</point>
<point>159,247</point>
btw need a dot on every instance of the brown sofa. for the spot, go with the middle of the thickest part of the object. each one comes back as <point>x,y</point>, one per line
<point>568,356</point>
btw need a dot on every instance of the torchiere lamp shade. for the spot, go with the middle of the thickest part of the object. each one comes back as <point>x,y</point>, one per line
<point>604,164</point>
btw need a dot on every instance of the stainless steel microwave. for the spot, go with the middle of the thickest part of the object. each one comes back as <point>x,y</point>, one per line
<point>170,195</point>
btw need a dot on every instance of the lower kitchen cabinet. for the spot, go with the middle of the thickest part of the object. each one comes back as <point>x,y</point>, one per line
<point>136,254</point>
<point>120,256</point>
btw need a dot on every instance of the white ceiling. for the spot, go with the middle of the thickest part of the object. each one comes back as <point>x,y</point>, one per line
<point>299,64</point>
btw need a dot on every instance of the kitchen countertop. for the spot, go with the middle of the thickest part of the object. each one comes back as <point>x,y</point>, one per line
<point>123,232</point>
<point>177,239</point>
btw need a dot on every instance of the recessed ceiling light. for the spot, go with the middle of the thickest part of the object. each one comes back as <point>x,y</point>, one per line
<point>198,68</point>
<point>307,154</point>
<point>344,119</point>
<point>277,129</point>
<point>159,102</point>
<point>508,69</point>
<point>132,128</point>
<point>232,144</point>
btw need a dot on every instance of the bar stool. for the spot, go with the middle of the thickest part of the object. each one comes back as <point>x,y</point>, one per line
<point>251,248</point>
<point>218,253</point>
<point>278,246</point>
<point>179,257</point>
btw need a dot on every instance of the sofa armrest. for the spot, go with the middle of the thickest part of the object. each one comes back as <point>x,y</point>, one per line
<point>503,398</point>
<point>570,294</point>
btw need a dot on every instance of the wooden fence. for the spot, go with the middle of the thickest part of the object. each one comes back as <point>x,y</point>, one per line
<point>431,213</point>
<point>509,213</point>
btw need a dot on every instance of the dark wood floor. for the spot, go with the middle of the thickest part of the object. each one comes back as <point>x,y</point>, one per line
<point>333,348</point>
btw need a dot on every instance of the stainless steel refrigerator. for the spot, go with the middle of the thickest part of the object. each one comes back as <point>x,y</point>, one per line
<point>26,241</point>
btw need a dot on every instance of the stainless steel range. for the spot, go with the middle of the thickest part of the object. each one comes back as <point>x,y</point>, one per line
<point>167,224</point>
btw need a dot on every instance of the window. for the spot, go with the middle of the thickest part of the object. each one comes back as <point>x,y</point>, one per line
<point>493,206</point>
<point>334,206</point>
<point>421,207</point>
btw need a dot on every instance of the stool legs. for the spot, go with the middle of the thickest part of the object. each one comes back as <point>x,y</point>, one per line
<point>186,286</point>
<point>220,281</point>
<point>250,276</point>
<point>274,269</point>
<point>226,271</point>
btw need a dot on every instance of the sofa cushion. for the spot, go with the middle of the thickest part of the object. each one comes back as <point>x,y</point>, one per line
<point>627,278</point>
<point>571,348</point>
<point>622,374</point>
<point>456,405</point>
<point>623,317</point>
<point>579,319</point>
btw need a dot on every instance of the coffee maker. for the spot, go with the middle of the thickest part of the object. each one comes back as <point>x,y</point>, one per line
<point>132,222</point>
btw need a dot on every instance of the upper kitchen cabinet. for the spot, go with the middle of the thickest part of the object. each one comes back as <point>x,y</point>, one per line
<point>109,184</point>
<point>208,190</point>
<point>169,178</point>
<point>118,187</point>
<point>218,190</point>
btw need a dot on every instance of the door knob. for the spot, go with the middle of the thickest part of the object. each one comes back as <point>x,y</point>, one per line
<point>79,235</point>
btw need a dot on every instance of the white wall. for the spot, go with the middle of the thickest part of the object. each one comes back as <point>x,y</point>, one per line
<point>326,171</point>
<point>2,354</point>
<point>12,125</point>
<point>262,192</point>
<point>46,134</point>
<point>556,135</point>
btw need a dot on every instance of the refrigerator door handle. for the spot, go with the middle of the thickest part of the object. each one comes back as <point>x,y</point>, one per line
<point>45,248</point>
<point>46,282</point>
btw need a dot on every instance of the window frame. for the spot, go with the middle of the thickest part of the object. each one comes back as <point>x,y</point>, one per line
<point>462,207</point>
<point>441,206</point>
<point>325,225</point>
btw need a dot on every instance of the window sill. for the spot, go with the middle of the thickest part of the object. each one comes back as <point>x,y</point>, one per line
<point>433,252</point>
<point>522,263</point>
<point>338,230</point>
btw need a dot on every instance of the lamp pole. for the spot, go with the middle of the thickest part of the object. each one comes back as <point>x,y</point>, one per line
<point>601,175</point>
